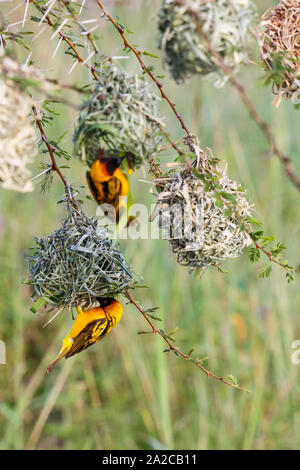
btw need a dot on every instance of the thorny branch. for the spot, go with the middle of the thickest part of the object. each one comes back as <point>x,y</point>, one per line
<point>92,69</point>
<point>77,21</point>
<point>177,351</point>
<point>51,150</point>
<point>137,53</point>
<point>70,44</point>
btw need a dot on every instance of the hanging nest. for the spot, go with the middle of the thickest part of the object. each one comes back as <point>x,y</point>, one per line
<point>77,263</point>
<point>226,26</point>
<point>279,38</point>
<point>17,135</point>
<point>203,214</point>
<point>121,115</point>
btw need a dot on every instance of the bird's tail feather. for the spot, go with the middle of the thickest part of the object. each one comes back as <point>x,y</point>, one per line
<point>52,364</point>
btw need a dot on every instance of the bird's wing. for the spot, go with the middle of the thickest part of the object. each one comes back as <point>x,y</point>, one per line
<point>105,191</point>
<point>93,188</point>
<point>93,332</point>
<point>113,189</point>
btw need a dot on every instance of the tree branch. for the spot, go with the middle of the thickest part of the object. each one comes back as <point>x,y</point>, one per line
<point>265,128</point>
<point>177,351</point>
<point>70,44</point>
<point>145,69</point>
<point>77,21</point>
<point>51,151</point>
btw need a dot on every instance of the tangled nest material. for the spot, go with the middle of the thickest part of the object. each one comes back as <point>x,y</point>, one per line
<point>201,228</point>
<point>17,134</point>
<point>77,263</point>
<point>185,27</point>
<point>121,115</point>
<point>279,38</point>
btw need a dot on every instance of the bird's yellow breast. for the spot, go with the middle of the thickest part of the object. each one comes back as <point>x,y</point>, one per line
<point>83,318</point>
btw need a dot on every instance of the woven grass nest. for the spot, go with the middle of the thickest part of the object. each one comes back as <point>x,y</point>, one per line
<point>121,115</point>
<point>17,135</point>
<point>226,25</point>
<point>77,263</point>
<point>279,38</point>
<point>211,232</point>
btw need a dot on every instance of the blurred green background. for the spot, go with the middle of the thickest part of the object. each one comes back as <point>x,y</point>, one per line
<point>125,393</point>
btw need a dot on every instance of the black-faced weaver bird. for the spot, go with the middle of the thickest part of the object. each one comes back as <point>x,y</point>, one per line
<point>107,182</point>
<point>90,326</point>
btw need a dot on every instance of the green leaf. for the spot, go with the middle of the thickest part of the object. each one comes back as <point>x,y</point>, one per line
<point>228,197</point>
<point>265,272</point>
<point>254,255</point>
<point>154,317</point>
<point>151,54</point>
<point>38,304</point>
<point>257,235</point>
<point>22,43</point>
<point>230,378</point>
<point>254,221</point>
<point>280,247</point>
<point>290,277</point>
<point>174,331</point>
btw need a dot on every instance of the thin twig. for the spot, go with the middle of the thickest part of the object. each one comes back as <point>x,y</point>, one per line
<point>137,53</point>
<point>70,44</point>
<point>270,257</point>
<point>77,21</point>
<point>177,351</point>
<point>50,148</point>
<point>285,160</point>
<point>173,144</point>
<point>51,151</point>
<point>66,86</point>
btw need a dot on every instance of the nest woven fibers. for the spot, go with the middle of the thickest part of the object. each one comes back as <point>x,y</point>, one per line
<point>279,38</point>
<point>226,25</point>
<point>17,135</point>
<point>201,230</point>
<point>121,115</point>
<point>77,263</point>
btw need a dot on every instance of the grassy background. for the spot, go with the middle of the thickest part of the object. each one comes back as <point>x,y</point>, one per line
<point>125,392</point>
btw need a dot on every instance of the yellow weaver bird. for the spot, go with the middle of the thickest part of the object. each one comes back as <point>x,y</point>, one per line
<point>90,326</point>
<point>107,182</point>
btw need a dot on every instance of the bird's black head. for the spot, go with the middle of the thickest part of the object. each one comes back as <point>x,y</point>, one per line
<point>105,301</point>
<point>111,159</point>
